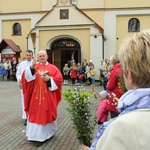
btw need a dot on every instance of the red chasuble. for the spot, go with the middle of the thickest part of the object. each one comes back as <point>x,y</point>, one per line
<point>41,103</point>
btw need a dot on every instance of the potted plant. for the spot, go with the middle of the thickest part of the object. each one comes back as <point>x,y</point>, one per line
<point>80,110</point>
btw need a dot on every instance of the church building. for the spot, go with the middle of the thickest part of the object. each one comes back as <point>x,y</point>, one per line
<point>87,29</point>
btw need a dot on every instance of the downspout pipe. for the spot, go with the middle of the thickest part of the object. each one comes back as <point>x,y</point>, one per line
<point>103,41</point>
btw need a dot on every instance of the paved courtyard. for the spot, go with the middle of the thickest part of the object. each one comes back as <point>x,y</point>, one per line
<point>12,130</point>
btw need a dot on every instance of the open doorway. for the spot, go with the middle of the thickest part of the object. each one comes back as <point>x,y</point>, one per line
<point>62,50</point>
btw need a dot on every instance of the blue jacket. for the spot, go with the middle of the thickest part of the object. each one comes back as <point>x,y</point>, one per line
<point>1,70</point>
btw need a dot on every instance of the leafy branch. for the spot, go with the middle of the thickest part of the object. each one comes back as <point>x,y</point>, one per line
<point>80,110</point>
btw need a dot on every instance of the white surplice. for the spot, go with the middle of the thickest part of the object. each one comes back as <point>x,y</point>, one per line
<point>22,66</point>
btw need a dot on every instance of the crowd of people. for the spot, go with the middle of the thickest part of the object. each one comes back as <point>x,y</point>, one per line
<point>78,73</point>
<point>85,72</point>
<point>8,69</point>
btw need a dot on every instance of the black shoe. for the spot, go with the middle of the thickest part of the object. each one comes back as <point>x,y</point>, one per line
<point>25,122</point>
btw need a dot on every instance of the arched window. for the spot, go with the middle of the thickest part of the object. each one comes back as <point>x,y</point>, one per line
<point>134,25</point>
<point>17,29</point>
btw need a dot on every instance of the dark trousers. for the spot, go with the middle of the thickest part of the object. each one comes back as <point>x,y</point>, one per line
<point>73,80</point>
<point>104,85</point>
<point>8,74</point>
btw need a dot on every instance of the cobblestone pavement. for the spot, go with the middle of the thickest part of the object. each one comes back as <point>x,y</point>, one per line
<point>12,130</point>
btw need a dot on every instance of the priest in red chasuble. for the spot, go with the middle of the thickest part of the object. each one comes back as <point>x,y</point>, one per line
<point>42,84</point>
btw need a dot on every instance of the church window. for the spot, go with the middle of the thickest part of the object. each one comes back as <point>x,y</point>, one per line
<point>134,25</point>
<point>17,29</point>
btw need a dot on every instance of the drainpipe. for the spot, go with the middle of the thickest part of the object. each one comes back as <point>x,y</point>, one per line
<point>104,39</point>
<point>27,40</point>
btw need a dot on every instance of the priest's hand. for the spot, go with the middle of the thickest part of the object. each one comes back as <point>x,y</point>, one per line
<point>46,77</point>
<point>33,63</point>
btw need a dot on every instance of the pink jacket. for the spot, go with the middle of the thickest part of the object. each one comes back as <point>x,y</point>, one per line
<point>102,112</point>
<point>73,72</point>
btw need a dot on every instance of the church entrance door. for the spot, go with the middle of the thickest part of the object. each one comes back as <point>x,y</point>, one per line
<point>62,50</point>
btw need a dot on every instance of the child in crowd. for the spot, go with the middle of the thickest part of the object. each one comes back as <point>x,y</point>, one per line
<point>107,107</point>
<point>79,73</point>
<point>92,73</point>
<point>105,80</point>
<point>5,73</point>
<point>73,73</point>
<point>102,112</point>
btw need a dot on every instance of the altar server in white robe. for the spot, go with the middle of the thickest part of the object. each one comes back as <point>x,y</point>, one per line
<point>22,66</point>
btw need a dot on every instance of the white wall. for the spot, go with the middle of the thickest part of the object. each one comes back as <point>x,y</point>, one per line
<point>96,52</point>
